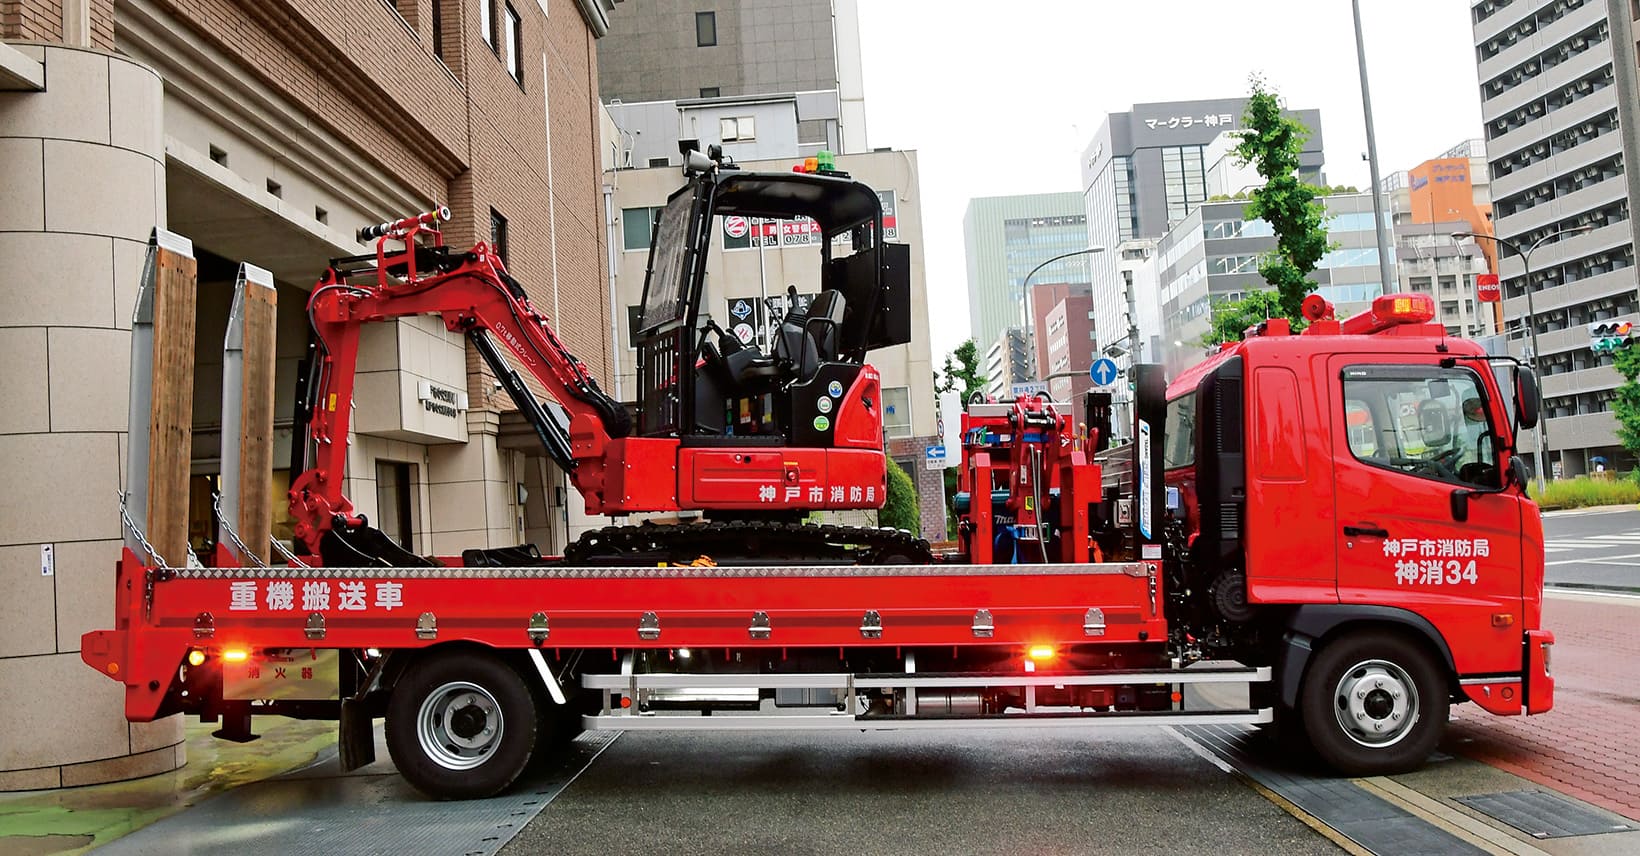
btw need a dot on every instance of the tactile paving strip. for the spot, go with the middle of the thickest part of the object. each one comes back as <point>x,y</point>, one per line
<point>1541,814</point>
<point>1357,814</point>
<point>320,810</point>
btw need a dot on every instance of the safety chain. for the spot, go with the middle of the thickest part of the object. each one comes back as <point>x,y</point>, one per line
<point>131,526</point>
<point>244,552</point>
<point>290,559</point>
<point>193,560</point>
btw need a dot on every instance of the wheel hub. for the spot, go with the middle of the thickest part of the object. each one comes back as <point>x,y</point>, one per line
<point>459,725</point>
<point>1376,703</point>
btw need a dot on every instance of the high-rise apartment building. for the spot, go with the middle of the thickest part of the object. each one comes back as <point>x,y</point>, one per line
<point>1148,169</point>
<point>1005,238</point>
<point>686,50</point>
<point>267,133</point>
<point>1562,124</point>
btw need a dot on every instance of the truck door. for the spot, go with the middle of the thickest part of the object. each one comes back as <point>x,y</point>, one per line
<point>1406,434</point>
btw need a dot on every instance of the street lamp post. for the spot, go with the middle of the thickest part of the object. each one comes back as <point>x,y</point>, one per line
<point>1029,321</point>
<point>1531,325</point>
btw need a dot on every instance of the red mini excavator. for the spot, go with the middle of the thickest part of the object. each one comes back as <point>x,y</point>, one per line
<point>816,442</point>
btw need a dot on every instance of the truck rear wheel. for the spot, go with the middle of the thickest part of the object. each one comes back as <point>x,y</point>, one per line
<point>1374,703</point>
<point>461,725</point>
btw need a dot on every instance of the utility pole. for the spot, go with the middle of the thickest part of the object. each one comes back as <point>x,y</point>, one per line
<point>1385,270</point>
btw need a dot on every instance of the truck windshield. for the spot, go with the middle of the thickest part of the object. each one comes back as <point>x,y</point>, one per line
<point>1422,420</point>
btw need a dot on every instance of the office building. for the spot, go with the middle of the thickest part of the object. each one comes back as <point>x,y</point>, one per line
<point>1430,202</point>
<point>1147,169</point>
<point>1008,364</point>
<point>749,269</point>
<point>748,127</point>
<point>1065,346</point>
<point>1562,127</point>
<point>1212,257</point>
<point>684,50</point>
<point>266,133</point>
<point>1004,239</point>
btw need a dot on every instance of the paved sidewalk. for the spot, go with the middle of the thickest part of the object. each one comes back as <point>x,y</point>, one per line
<point>1585,747</point>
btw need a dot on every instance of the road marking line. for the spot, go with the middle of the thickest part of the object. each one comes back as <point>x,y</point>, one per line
<point>1576,593</point>
<point>1464,826</point>
<point>1593,559</point>
<point>1343,841</point>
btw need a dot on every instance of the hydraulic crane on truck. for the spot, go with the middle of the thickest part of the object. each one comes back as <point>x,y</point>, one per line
<point>1335,519</point>
<point>756,440</point>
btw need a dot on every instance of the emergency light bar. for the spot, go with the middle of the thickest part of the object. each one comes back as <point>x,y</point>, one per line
<point>1391,310</point>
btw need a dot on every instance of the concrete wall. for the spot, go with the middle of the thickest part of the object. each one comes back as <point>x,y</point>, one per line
<point>84,186</point>
<point>762,46</point>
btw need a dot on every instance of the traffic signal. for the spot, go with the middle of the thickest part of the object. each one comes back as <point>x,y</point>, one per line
<point>1607,337</point>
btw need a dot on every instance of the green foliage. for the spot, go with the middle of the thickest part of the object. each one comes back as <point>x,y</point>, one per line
<point>1272,142</point>
<point>1232,318</point>
<point>962,371</point>
<point>1626,406</point>
<point>900,509</point>
<point>1584,492</point>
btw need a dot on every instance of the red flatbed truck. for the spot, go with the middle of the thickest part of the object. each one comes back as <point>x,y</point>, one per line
<point>1334,519</point>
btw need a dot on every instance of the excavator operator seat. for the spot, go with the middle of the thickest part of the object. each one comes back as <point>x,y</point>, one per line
<point>824,322</point>
<point>808,339</point>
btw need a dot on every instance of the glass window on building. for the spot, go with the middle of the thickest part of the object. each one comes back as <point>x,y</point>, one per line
<point>705,29</point>
<point>637,225</point>
<point>1125,223</point>
<point>498,235</point>
<point>1184,180</point>
<point>486,21</point>
<point>515,44</point>
<point>897,411</point>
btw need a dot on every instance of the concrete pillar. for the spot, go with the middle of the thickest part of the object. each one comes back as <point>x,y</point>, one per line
<point>83,183</point>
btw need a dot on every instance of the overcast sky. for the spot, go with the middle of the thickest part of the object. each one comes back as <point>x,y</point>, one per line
<point>1001,98</point>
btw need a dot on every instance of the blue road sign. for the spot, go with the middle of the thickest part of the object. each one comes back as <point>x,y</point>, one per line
<point>934,457</point>
<point>1103,371</point>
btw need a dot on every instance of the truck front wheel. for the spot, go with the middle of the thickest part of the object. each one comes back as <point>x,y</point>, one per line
<point>1374,703</point>
<point>461,725</point>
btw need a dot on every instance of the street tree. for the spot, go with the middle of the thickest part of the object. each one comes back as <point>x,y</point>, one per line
<point>1271,142</point>
<point>1231,319</point>
<point>1627,404</point>
<point>962,371</point>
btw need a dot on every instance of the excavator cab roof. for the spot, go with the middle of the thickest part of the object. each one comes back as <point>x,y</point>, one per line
<point>838,204</point>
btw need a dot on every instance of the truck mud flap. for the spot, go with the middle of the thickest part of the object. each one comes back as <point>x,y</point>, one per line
<point>355,736</point>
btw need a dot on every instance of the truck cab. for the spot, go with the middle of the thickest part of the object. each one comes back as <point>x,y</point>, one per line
<point>1357,487</point>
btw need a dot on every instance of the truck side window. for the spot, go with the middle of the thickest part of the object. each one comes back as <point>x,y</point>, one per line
<point>1423,420</point>
<point>1179,449</point>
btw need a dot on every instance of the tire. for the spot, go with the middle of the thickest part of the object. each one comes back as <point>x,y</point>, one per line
<point>461,725</point>
<point>1374,703</point>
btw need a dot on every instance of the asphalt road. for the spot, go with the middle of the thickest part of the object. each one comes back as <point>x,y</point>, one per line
<point>1599,547</point>
<point>977,792</point>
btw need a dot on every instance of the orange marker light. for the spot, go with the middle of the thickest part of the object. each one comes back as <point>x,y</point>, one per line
<point>1041,652</point>
<point>235,656</point>
<point>196,657</point>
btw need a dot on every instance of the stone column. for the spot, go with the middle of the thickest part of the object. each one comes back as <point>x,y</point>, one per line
<point>82,174</point>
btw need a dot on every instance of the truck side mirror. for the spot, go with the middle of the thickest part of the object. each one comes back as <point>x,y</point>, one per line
<point>1527,399</point>
<point>1517,472</point>
<point>1460,504</point>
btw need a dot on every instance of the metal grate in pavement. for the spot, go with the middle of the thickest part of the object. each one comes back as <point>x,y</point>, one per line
<point>319,810</point>
<point>1363,817</point>
<point>1541,814</point>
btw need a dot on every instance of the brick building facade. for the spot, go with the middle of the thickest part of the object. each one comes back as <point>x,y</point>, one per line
<point>267,133</point>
